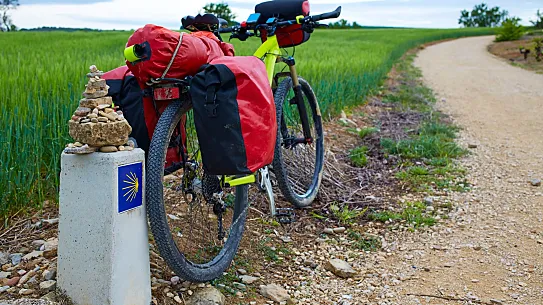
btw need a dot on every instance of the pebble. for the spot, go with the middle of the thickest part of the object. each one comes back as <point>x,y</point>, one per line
<point>20,272</point>
<point>240,286</point>
<point>16,258</point>
<point>93,115</point>
<point>177,299</point>
<point>170,295</point>
<point>25,291</point>
<point>472,145</point>
<point>121,148</point>
<point>340,268</point>
<point>4,275</point>
<point>247,279</point>
<point>33,255</point>
<point>102,119</point>
<point>175,280</point>
<point>339,230</point>
<point>275,293</point>
<point>13,281</point>
<point>48,285</point>
<point>128,148</point>
<point>108,149</point>
<point>49,275</point>
<point>4,289</point>
<point>535,182</point>
<point>36,244</point>
<point>82,111</point>
<point>428,201</point>
<point>4,258</point>
<point>242,271</point>
<point>94,121</point>
<point>328,231</point>
<point>26,277</point>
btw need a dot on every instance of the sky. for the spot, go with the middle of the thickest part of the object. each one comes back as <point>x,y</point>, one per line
<point>132,14</point>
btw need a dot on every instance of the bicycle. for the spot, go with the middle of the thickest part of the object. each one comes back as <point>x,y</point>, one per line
<point>209,201</point>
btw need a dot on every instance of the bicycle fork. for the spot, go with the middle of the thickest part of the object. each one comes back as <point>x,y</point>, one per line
<point>299,100</point>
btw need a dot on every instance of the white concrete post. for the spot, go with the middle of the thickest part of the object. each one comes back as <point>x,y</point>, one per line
<point>103,253</point>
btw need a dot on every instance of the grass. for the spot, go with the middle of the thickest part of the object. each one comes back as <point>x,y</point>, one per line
<point>429,150</point>
<point>43,75</point>
<point>412,212</point>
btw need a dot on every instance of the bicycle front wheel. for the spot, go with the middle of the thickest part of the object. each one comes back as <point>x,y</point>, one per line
<point>196,222</point>
<point>298,165</point>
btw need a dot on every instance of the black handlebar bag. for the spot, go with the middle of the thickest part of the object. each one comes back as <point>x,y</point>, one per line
<point>287,36</point>
<point>234,115</point>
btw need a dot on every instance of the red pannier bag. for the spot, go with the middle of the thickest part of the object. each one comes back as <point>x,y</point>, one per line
<point>159,45</point>
<point>234,115</point>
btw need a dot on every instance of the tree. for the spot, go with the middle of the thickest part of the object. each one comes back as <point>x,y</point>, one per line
<point>6,24</point>
<point>538,23</point>
<point>510,30</point>
<point>482,16</point>
<point>221,10</point>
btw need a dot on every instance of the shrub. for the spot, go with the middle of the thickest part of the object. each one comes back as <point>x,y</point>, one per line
<point>510,30</point>
<point>538,46</point>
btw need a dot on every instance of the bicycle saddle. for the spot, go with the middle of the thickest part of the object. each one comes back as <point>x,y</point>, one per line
<point>206,22</point>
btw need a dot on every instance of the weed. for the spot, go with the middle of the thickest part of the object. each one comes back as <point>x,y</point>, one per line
<point>366,131</point>
<point>345,215</point>
<point>358,156</point>
<point>364,242</point>
<point>317,215</point>
<point>272,253</point>
<point>269,221</point>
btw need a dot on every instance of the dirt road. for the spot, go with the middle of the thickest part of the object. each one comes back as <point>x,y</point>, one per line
<point>492,250</point>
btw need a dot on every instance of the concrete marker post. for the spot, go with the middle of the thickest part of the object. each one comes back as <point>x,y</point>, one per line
<point>103,253</point>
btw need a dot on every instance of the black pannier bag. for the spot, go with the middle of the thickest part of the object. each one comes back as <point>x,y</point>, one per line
<point>234,115</point>
<point>291,35</point>
<point>127,94</point>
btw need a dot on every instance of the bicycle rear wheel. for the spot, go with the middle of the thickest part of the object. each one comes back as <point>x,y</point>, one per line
<point>184,210</point>
<point>298,166</point>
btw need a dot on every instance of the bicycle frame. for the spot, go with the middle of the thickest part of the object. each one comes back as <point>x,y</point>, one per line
<point>269,51</point>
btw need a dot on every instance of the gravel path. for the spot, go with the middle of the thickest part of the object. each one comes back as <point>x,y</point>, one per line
<point>492,249</point>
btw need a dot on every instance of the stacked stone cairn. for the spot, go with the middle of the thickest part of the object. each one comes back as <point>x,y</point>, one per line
<point>97,125</point>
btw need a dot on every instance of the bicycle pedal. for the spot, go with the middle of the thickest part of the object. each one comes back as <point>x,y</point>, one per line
<point>285,215</point>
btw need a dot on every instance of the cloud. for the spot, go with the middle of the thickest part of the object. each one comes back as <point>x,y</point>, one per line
<point>131,14</point>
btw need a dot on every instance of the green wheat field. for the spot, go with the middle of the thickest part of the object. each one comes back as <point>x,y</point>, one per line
<point>42,76</point>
